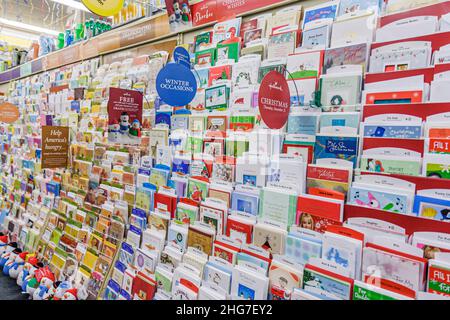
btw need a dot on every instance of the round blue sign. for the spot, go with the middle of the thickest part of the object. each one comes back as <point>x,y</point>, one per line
<point>181,56</point>
<point>176,85</point>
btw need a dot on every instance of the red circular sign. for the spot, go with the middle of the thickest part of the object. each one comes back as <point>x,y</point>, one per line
<point>274,100</point>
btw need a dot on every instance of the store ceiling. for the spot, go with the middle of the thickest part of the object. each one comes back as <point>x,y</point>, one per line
<point>41,13</point>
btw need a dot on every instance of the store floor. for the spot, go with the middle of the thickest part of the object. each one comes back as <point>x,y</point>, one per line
<point>9,290</point>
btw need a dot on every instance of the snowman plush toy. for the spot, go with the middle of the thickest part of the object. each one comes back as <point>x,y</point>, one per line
<point>31,282</point>
<point>124,124</point>
<point>26,270</point>
<point>60,290</point>
<point>18,264</point>
<point>10,260</point>
<point>7,252</point>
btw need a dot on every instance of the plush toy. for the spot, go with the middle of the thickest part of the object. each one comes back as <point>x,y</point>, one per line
<point>124,124</point>
<point>177,11</point>
<point>3,242</point>
<point>18,264</point>
<point>5,255</point>
<point>70,294</point>
<point>135,129</point>
<point>45,283</point>
<point>28,267</point>
<point>31,283</point>
<point>61,290</point>
<point>185,13</point>
<point>114,131</point>
<point>9,260</point>
<point>51,291</point>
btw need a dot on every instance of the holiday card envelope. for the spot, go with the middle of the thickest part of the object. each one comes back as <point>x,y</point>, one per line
<point>317,213</point>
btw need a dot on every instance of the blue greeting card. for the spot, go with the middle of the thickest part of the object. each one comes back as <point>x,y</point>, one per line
<point>326,11</point>
<point>393,131</point>
<point>336,147</point>
<point>163,117</point>
<point>433,208</point>
<point>245,202</point>
<point>366,197</point>
<point>339,119</point>
<point>302,124</point>
<point>181,165</point>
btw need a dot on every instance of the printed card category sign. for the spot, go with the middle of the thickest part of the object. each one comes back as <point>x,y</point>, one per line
<point>176,85</point>
<point>55,146</point>
<point>274,100</point>
<point>181,56</point>
<point>124,116</point>
<point>207,11</point>
<point>9,113</point>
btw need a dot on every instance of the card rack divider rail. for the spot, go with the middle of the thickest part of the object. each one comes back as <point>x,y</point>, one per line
<point>110,271</point>
<point>410,223</point>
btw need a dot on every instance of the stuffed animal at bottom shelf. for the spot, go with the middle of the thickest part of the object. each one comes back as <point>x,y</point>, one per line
<point>45,283</point>
<point>28,267</point>
<point>18,264</point>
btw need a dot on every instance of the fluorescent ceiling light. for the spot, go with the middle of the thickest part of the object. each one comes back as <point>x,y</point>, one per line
<point>73,4</point>
<point>28,27</point>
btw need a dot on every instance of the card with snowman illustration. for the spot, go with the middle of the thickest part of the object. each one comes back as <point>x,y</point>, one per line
<point>124,116</point>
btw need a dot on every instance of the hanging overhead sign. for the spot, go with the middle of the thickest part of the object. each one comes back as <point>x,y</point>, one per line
<point>104,8</point>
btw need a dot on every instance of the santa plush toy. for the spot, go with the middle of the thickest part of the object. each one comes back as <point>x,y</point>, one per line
<point>3,242</point>
<point>70,294</point>
<point>17,266</point>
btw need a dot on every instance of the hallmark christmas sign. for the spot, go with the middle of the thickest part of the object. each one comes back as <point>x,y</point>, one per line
<point>274,100</point>
<point>124,116</point>
<point>55,147</point>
